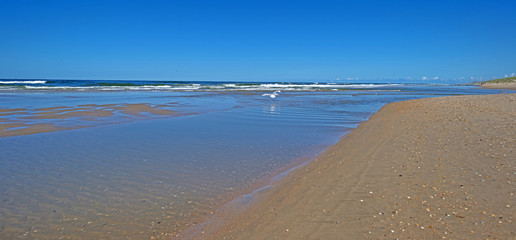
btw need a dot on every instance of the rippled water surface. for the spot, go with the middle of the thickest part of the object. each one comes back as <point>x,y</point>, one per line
<point>134,178</point>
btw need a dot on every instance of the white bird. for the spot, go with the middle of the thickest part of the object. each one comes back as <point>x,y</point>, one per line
<point>272,95</point>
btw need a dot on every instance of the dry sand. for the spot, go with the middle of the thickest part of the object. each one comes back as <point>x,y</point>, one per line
<point>500,85</point>
<point>422,169</point>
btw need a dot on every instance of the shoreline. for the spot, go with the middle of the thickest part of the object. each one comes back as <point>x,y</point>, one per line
<point>342,191</point>
<point>241,199</point>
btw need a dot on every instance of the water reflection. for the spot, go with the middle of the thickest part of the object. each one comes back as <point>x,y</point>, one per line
<point>273,109</point>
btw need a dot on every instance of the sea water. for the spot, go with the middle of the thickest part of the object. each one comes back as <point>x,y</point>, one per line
<point>143,178</point>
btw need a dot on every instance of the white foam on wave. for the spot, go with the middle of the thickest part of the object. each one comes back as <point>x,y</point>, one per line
<point>216,87</point>
<point>320,86</point>
<point>329,85</point>
<point>57,87</point>
<point>116,88</point>
<point>23,82</point>
<point>146,87</point>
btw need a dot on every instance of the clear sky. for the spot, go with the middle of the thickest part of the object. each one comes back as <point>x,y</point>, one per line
<point>190,40</point>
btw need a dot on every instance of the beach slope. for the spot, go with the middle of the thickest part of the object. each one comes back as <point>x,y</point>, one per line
<point>421,169</point>
<point>501,83</point>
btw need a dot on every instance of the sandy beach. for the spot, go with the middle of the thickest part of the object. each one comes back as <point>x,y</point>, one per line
<point>257,120</point>
<point>437,168</point>
<point>503,85</point>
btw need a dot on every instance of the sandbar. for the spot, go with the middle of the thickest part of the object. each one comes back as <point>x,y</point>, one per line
<point>25,121</point>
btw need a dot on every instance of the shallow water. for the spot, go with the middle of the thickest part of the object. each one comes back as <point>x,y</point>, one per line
<point>142,178</point>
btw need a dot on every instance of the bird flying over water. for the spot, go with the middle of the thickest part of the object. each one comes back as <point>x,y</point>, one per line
<point>272,95</point>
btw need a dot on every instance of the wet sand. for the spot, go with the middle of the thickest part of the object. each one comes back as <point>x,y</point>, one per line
<point>437,168</point>
<point>22,121</point>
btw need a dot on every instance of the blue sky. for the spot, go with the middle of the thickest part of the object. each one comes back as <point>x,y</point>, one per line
<point>452,41</point>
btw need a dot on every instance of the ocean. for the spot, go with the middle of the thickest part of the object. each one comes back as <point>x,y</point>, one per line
<point>118,175</point>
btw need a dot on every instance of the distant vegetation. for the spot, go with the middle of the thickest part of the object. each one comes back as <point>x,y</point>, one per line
<point>503,80</point>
